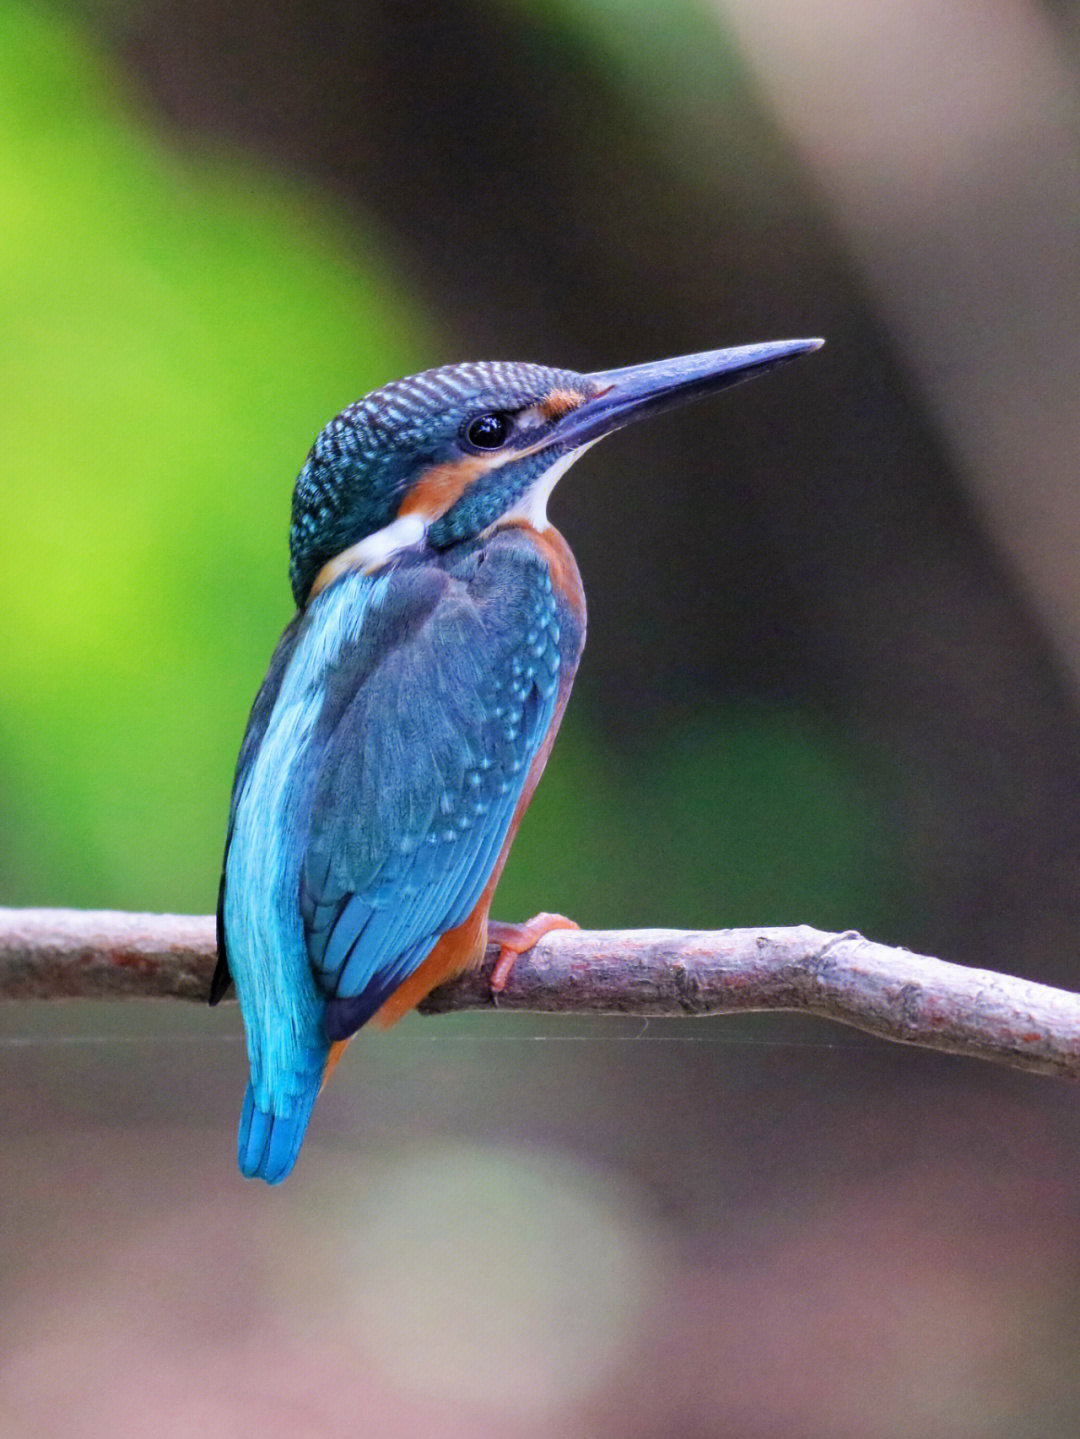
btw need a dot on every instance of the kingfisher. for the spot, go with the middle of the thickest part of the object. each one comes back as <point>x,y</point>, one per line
<point>410,706</point>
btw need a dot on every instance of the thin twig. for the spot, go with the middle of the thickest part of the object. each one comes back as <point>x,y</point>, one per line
<point>910,998</point>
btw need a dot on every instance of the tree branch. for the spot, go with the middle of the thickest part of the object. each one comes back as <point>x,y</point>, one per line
<point>909,998</point>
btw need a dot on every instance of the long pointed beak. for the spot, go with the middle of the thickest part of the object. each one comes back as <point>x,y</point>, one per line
<point>621,396</point>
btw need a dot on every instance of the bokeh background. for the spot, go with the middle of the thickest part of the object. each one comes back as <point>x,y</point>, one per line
<point>832,677</point>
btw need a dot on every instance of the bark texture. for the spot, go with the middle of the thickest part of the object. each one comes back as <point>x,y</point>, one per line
<point>892,993</point>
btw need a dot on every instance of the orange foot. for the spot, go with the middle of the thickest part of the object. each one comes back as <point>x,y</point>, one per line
<point>515,939</point>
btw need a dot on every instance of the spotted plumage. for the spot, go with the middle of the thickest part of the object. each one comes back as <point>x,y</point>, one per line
<point>410,706</point>
<point>367,460</point>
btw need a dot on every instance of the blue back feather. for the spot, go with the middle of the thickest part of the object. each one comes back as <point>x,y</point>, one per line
<point>268,837</point>
<point>426,761</point>
<point>383,763</point>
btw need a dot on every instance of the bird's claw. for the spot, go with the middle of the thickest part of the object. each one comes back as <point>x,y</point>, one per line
<point>515,939</point>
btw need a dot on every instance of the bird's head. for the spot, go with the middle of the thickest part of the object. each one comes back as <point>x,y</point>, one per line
<point>441,456</point>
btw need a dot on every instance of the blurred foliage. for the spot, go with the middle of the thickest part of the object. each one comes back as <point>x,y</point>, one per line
<point>637,1230</point>
<point>178,326</point>
<point>675,62</point>
<point>177,329</point>
<point>747,817</point>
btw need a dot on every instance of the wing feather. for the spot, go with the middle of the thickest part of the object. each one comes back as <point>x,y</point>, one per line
<point>249,748</point>
<point>424,763</point>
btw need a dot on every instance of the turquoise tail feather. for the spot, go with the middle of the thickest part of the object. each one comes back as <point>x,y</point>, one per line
<point>269,1140</point>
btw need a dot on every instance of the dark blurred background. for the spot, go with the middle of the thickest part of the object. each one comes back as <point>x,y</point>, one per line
<point>831,678</point>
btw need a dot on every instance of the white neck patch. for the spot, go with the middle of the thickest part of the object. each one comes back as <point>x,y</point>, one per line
<point>372,551</point>
<point>532,507</point>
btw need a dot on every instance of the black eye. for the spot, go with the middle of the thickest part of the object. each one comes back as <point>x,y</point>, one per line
<point>488,432</point>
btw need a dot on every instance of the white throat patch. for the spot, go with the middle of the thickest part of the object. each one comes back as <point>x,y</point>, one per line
<point>532,507</point>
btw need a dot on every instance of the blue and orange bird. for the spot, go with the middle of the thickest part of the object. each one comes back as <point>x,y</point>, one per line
<point>410,706</point>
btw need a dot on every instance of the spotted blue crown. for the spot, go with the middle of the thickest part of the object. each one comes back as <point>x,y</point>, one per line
<point>367,458</point>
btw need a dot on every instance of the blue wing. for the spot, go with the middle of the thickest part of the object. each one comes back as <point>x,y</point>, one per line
<point>430,721</point>
<point>258,720</point>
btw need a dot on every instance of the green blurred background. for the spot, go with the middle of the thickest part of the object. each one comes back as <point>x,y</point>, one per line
<point>831,678</point>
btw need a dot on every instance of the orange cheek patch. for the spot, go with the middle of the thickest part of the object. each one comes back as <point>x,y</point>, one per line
<point>441,486</point>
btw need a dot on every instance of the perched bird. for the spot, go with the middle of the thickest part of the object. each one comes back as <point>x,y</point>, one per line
<point>410,706</point>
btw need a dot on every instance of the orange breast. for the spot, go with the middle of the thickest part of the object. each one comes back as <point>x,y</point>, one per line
<point>565,575</point>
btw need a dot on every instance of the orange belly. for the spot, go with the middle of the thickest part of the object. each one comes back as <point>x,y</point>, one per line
<point>458,950</point>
